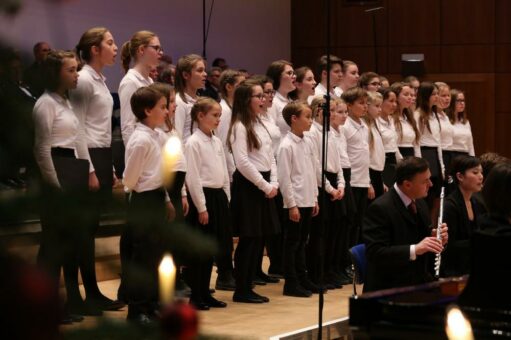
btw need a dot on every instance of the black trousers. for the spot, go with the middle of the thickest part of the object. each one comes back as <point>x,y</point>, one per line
<point>198,273</point>
<point>295,240</point>
<point>360,200</point>
<point>145,225</point>
<point>96,203</point>
<point>246,260</point>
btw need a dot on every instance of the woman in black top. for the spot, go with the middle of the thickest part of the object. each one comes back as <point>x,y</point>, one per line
<point>461,213</point>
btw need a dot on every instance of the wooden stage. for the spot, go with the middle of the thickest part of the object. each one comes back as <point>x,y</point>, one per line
<point>283,318</point>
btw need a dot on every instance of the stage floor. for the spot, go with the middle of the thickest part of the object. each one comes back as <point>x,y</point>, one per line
<point>281,315</point>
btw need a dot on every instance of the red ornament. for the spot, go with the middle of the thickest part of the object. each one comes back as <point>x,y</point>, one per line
<point>179,321</point>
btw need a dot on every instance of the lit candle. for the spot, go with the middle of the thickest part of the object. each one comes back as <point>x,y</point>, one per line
<point>458,327</point>
<point>171,154</point>
<point>167,276</point>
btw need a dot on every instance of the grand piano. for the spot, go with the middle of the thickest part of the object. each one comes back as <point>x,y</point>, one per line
<point>419,312</point>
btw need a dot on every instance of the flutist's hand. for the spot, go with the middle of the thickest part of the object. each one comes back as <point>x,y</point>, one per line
<point>429,245</point>
<point>443,232</point>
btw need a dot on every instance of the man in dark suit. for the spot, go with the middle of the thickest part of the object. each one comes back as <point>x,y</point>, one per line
<point>400,242</point>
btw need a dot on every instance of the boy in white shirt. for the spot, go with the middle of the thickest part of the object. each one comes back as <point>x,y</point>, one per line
<point>296,169</point>
<point>147,204</point>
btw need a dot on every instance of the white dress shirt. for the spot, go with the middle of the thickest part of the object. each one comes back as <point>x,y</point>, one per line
<point>462,138</point>
<point>345,158</point>
<point>333,159</point>
<point>389,136</point>
<point>205,160</point>
<point>93,105</point>
<point>274,131</point>
<point>251,163</point>
<point>183,116</point>
<point>431,139</point>
<point>131,82</point>
<point>357,137</point>
<point>279,102</point>
<point>143,159</point>
<point>221,132</point>
<point>297,172</point>
<point>377,152</point>
<point>446,132</point>
<point>56,125</point>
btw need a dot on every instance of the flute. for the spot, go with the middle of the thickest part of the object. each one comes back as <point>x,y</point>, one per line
<point>438,257</point>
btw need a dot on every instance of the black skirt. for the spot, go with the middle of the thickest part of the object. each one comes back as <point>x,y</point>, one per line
<point>253,214</point>
<point>217,204</point>
<point>389,172</point>
<point>431,155</point>
<point>449,156</point>
<point>407,151</point>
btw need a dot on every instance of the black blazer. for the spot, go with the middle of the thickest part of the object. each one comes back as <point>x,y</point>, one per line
<point>389,229</point>
<point>456,256</point>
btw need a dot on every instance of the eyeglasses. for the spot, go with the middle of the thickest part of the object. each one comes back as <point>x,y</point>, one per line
<point>270,92</point>
<point>460,100</point>
<point>375,83</point>
<point>290,73</point>
<point>157,48</point>
<point>260,96</point>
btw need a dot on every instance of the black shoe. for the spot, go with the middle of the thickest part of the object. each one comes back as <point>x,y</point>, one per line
<point>264,298</point>
<point>246,298</point>
<point>344,279</point>
<point>212,302</point>
<point>199,305</point>
<point>259,281</point>
<point>267,279</point>
<point>104,303</point>
<point>66,319</point>
<point>310,286</point>
<point>83,308</point>
<point>141,319</point>
<point>76,317</point>
<point>296,290</point>
<point>227,284</point>
<point>182,289</point>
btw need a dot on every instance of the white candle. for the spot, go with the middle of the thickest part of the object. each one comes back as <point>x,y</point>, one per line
<point>171,154</point>
<point>458,327</point>
<point>167,278</point>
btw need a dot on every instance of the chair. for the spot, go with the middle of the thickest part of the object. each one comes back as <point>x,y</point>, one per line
<point>359,265</point>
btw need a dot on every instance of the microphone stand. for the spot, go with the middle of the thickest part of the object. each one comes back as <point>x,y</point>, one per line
<point>323,198</point>
<point>373,15</point>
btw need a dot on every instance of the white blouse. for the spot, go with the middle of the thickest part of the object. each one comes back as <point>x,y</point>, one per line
<point>251,163</point>
<point>279,102</point>
<point>131,82</point>
<point>93,105</point>
<point>205,160</point>
<point>447,131</point>
<point>56,125</point>
<point>274,131</point>
<point>377,152</point>
<point>183,116</point>
<point>333,159</point>
<point>221,132</point>
<point>389,136</point>
<point>462,138</point>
